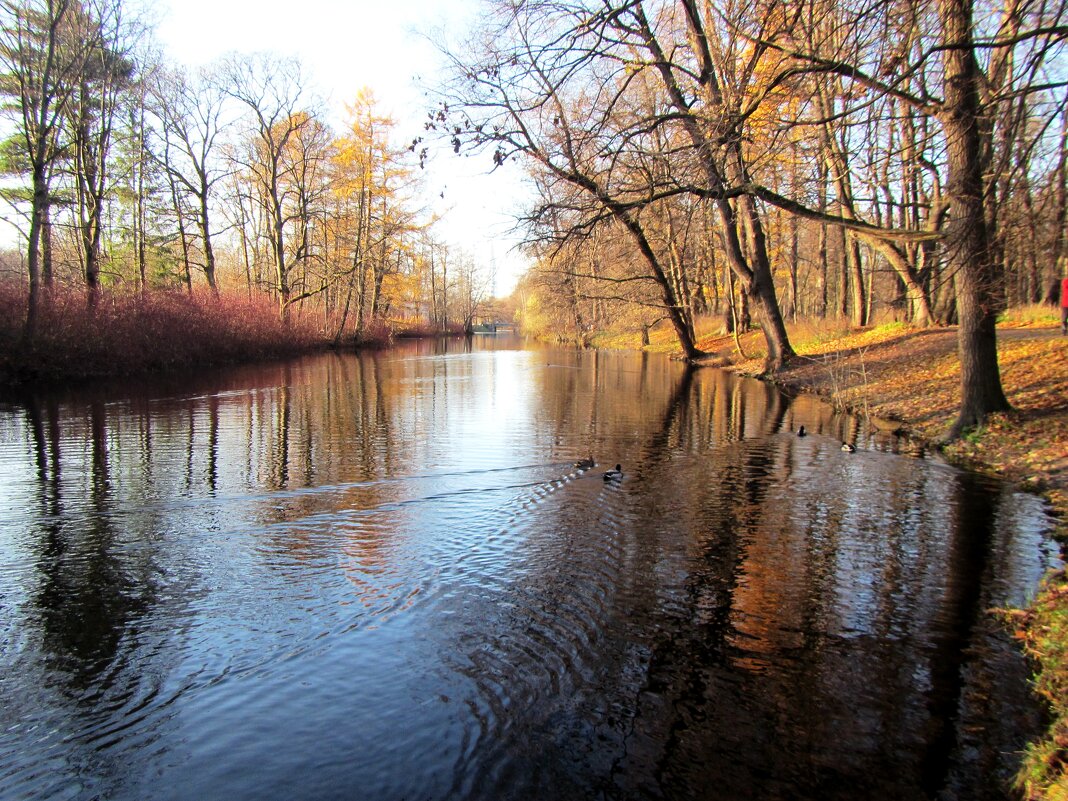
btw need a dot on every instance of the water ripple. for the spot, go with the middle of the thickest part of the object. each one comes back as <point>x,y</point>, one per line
<point>386,578</point>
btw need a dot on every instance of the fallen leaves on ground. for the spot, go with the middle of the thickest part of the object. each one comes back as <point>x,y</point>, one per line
<point>913,377</point>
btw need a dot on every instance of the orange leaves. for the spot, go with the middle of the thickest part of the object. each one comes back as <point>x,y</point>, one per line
<point>913,375</point>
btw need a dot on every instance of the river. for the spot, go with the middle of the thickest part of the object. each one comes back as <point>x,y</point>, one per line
<point>382,576</point>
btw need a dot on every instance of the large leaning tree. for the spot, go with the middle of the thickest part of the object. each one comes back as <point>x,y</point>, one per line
<point>592,94</point>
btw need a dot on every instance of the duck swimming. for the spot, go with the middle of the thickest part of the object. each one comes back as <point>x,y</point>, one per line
<point>801,431</point>
<point>585,464</point>
<point>849,448</point>
<point>614,475</point>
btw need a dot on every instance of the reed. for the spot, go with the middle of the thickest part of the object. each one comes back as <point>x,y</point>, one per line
<point>126,334</point>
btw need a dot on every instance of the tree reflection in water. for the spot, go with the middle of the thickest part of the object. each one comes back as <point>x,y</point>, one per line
<point>383,572</point>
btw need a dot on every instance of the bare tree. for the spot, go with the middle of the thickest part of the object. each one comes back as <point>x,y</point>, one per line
<point>192,109</point>
<point>306,182</point>
<point>272,92</point>
<point>42,64</point>
<point>707,88</point>
<point>138,173</point>
<point>91,118</point>
<point>472,291</point>
<point>527,89</point>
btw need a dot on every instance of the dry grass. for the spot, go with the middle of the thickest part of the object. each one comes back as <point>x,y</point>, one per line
<point>1043,629</point>
<point>1034,314</point>
<point>127,334</point>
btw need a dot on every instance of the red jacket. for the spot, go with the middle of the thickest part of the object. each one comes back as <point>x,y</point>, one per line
<point>1064,293</point>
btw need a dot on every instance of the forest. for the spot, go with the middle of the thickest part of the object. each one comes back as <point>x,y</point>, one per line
<point>127,176</point>
<point>761,161</point>
<point>744,163</point>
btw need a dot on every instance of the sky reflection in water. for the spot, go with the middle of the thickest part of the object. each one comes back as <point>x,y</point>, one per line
<point>381,576</point>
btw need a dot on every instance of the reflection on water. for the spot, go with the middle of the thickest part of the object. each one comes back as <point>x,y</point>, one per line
<point>381,576</point>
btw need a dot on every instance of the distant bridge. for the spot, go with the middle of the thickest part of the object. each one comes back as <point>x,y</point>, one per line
<point>495,327</point>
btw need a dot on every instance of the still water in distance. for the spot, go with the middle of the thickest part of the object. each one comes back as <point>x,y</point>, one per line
<point>381,576</point>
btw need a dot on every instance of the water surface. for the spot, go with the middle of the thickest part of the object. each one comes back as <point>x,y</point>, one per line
<point>382,577</point>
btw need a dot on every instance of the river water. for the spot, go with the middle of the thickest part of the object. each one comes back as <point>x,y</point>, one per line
<point>381,576</point>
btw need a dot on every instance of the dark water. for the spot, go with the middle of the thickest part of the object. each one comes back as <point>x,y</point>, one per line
<point>381,577</point>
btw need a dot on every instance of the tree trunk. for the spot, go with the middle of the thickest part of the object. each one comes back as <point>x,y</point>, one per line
<point>278,245</point>
<point>139,233</point>
<point>243,234</point>
<point>795,257</point>
<point>33,257</point>
<point>676,312</point>
<point>187,277</point>
<point>1060,215</point>
<point>89,218</point>
<point>821,241</point>
<point>761,290</point>
<point>967,243</point>
<point>379,304</point>
<point>858,302</point>
<point>916,296</point>
<point>209,252</point>
<point>47,274</point>
<point>445,293</point>
<point>92,269</point>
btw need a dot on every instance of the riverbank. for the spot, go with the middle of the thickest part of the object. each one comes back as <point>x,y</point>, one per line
<point>129,334</point>
<point>908,379</point>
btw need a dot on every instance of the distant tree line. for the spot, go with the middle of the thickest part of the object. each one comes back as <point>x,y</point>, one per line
<point>770,159</point>
<point>121,170</point>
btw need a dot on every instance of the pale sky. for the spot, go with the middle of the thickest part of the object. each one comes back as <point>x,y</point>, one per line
<point>345,45</point>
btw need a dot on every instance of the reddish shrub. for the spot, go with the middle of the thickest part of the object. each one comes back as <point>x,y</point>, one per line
<point>125,334</point>
<point>378,333</point>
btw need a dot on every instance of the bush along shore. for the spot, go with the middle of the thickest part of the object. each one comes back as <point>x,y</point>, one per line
<point>907,379</point>
<point>128,334</point>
